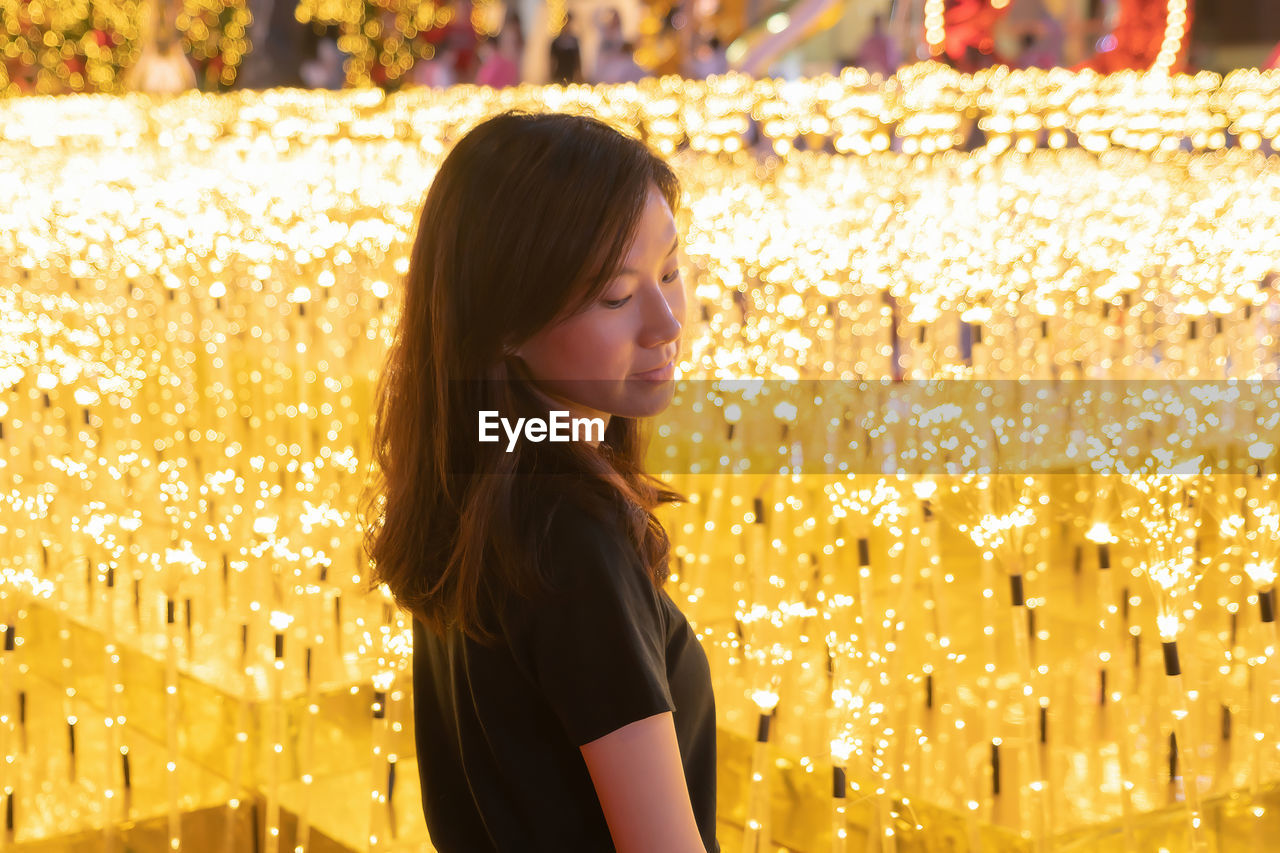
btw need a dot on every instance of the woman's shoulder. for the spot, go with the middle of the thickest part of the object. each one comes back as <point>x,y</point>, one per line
<point>581,555</point>
<point>581,525</point>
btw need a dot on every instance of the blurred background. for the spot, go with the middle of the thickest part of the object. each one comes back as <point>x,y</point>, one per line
<point>98,45</point>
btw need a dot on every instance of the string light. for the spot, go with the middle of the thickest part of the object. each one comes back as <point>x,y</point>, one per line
<point>1175,28</point>
<point>935,25</point>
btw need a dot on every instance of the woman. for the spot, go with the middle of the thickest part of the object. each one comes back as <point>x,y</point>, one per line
<point>566,56</point>
<point>497,69</point>
<point>562,702</point>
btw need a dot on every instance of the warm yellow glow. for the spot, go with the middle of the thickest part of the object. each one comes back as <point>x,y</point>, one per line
<point>1101,534</point>
<point>766,700</point>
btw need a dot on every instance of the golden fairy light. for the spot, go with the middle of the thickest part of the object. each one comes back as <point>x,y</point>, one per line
<point>1165,516</point>
<point>840,750</point>
<point>1261,523</point>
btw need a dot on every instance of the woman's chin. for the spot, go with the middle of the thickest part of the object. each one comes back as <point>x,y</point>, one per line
<point>645,398</point>
<point>626,398</point>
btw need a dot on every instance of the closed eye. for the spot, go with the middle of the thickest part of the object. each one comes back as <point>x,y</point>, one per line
<point>669,278</point>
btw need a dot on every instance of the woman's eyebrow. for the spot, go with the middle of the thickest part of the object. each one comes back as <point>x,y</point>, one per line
<point>630,271</point>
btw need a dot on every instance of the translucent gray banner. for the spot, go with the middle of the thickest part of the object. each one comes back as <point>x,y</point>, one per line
<point>956,427</point>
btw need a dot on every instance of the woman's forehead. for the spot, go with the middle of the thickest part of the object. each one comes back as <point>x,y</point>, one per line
<point>656,228</point>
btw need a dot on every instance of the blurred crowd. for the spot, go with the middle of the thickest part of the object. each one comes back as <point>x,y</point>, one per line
<point>1041,45</point>
<point>458,54</point>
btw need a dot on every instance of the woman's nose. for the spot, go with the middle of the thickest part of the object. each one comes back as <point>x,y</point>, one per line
<point>663,322</point>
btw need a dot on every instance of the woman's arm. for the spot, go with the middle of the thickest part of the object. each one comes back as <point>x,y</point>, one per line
<point>639,779</point>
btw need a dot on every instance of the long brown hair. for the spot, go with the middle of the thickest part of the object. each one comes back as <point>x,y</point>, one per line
<point>528,219</point>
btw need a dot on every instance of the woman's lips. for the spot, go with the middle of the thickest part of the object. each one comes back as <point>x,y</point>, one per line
<point>659,374</point>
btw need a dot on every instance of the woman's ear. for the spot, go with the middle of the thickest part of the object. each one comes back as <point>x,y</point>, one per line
<point>514,356</point>
<point>516,367</point>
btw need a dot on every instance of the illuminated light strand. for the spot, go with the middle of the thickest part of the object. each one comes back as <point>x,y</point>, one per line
<point>1175,29</point>
<point>935,25</point>
<point>1166,522</point>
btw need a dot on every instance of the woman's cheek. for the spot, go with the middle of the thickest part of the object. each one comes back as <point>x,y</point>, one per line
<point>600,347</point>
<point>578,353</point>
<point>679,305</point>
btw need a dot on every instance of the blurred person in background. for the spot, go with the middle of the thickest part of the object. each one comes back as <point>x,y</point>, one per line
<point>464,39</point>
<point>497,69</point>
<point>511,39</point>
<point>709,59</point>
<point>618,65</point>
<point>974,60</point>
<point>566,56</point>
<point>609,51</point>
<point>610,25</point>
<point>1052,40</point>
<point>326,70</point>
<point>438,71</point>
<point>279,45</point>
<point>879,54</point>
<point>1035,53</point>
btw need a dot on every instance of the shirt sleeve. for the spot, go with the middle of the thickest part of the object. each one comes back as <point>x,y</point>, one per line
<point>596,644</point>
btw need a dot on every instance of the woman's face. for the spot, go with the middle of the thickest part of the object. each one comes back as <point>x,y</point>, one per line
<point>602,360</point>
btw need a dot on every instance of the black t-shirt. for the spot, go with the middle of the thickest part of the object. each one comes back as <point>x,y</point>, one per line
<point>498,729</point>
